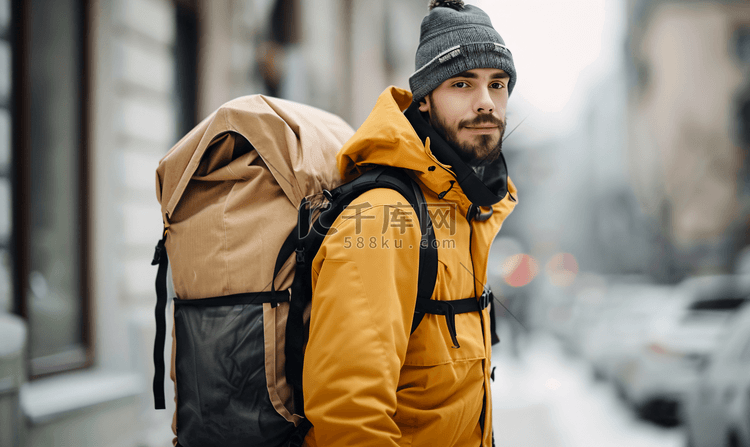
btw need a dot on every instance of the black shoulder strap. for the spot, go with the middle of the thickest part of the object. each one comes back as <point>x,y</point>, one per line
<point>428,257</point>
<point>398,180</point>
<point>308,243</point>
<point>341,197</point>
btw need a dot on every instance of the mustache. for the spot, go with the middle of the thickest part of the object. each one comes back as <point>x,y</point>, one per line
<point>483,119</point>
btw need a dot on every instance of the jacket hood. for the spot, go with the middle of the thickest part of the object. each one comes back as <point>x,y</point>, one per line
<point>395,134</point>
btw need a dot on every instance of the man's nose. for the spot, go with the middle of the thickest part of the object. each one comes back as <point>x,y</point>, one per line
<point>484,102</point>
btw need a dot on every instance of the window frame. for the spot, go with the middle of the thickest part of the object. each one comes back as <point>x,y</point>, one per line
<point>21,177</point>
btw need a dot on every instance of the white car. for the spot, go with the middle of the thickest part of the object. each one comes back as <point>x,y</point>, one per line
<point>717,409</point>
<point>615,339</point>
<point>666,369</point>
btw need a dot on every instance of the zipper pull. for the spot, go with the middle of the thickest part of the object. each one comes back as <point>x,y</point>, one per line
<point>442,194</point>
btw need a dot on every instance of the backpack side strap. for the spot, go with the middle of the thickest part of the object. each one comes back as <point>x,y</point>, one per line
<point>160,258</point>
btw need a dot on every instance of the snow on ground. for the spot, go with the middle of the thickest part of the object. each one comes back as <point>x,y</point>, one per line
<point>546,399</point>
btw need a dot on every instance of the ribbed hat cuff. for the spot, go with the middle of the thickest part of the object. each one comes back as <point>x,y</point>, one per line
<point>458,59</point>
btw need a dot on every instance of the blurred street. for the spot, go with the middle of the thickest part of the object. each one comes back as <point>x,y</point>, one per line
<point>546,398</point>
<point>622,277</point>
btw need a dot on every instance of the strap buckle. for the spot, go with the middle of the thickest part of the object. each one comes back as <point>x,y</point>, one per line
<point>475,213</point>
<point>436,307</point>
<point>158,252</point>
<point>275,303</point>
<point>486,298</point>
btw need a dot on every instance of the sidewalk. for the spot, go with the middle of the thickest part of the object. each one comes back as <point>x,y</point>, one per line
<point>545,399</point>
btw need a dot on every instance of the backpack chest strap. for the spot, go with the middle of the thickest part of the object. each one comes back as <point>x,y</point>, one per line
<point>451,308</point>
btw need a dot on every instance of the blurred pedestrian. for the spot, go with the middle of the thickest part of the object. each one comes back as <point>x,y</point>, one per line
<point>367,379</point>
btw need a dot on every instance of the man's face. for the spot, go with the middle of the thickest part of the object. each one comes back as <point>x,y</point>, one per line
<point>468,111</point>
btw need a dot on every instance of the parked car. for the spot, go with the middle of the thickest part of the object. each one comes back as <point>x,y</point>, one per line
<point>580,307</point>
<point>670,357</point>
<point>717,410</point>
<point>631,312</point>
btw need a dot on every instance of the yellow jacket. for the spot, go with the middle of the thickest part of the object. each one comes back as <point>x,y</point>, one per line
<point>367,381</point>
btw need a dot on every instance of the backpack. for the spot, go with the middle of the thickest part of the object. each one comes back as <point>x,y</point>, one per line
<point>247,199</point>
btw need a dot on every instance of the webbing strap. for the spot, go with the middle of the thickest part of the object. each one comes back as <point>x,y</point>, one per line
<point>428,262</point>
<point>160,258</point>
<point>295,335</point>
<point>451,308</point>
<point>274,298</point>
<point>286,250</point>
<point>493,323</point>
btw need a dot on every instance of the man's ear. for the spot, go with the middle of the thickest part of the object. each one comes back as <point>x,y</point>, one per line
<point>424,104</point>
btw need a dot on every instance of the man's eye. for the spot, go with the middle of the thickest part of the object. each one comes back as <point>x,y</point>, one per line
<point>497,85</point>
<point>461,84</point>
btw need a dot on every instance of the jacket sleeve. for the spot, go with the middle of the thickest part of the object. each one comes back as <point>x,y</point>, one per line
<point>364,292</point>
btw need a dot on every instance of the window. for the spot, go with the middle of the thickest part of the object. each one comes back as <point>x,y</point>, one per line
<point>186,61</point>
<point>273,54</point>
<point>49,182</point>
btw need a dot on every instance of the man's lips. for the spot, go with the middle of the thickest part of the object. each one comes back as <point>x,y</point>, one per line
<point>481,129</point>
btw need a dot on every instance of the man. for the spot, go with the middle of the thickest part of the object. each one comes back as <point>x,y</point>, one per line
<point>367,380</point>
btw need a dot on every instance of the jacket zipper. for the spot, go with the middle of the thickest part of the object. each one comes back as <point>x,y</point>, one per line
<point>483,415</point>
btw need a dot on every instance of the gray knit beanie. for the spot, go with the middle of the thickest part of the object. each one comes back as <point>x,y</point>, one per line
<point>456,38</point>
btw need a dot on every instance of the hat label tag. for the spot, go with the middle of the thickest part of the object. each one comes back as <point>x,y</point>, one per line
<point>450,55</point>
<point>500,47</point>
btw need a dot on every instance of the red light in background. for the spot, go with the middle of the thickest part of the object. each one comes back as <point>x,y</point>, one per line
<point>519,269</point>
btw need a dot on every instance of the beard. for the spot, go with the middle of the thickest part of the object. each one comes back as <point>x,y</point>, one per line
<point>483,151</point>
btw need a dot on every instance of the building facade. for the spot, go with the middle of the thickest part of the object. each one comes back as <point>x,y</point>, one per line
<point>92,94</point>
<point>688,117</point>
